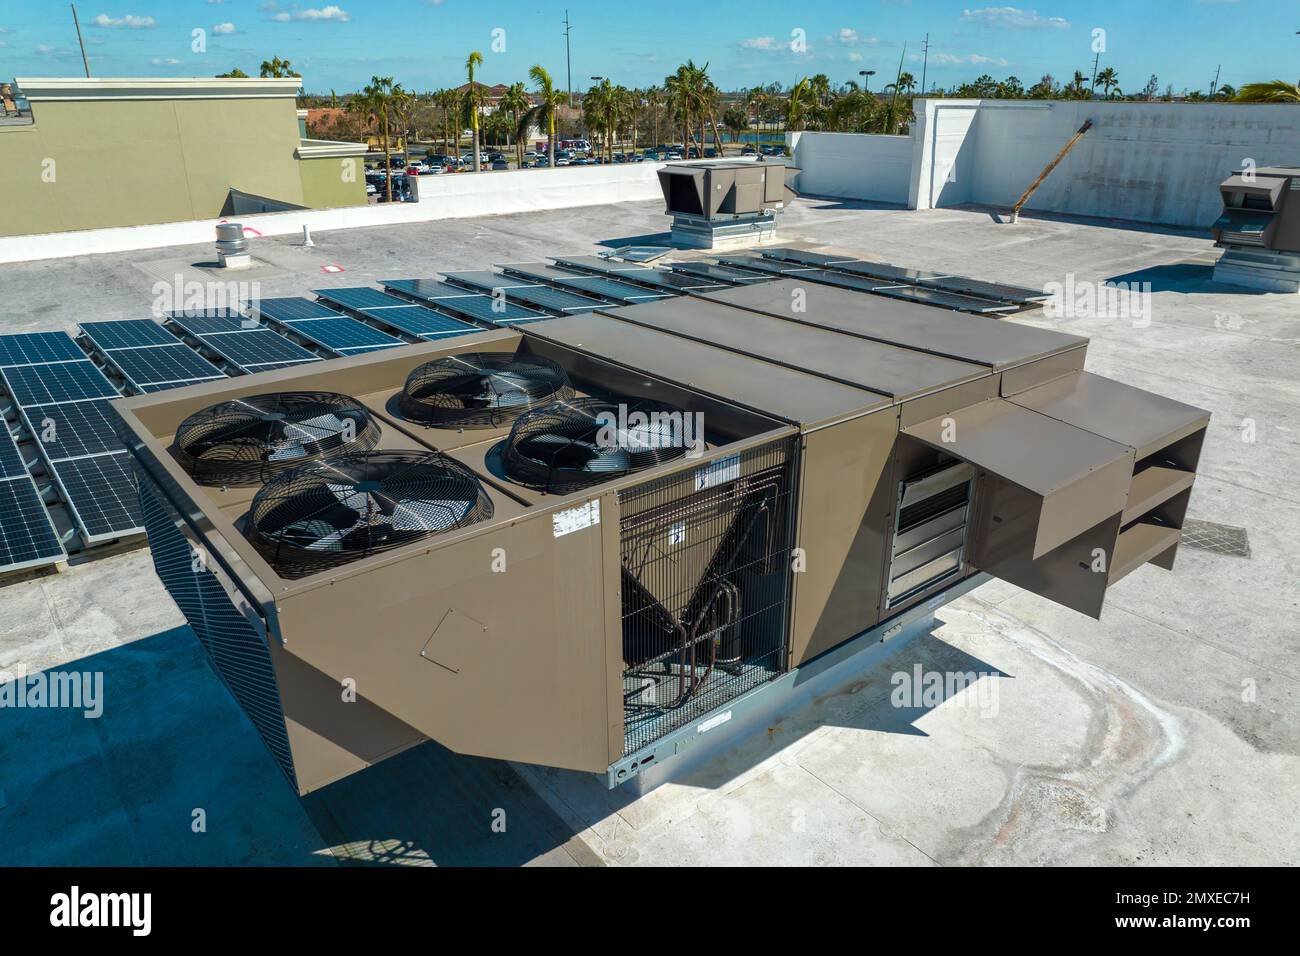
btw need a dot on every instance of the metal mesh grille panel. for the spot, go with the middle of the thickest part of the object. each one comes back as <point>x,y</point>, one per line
<point>706,566</point>
<point>236,651</point>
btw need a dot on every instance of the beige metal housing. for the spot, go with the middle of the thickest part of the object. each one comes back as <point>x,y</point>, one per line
<point>922,447</point>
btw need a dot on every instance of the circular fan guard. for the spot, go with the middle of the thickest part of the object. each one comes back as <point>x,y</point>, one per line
<point>246,441</point>
<point>570,445</point>
<point>331,512</point>
<point>481,389</point>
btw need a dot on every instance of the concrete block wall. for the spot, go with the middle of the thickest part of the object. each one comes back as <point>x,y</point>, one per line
<point>845,165</point>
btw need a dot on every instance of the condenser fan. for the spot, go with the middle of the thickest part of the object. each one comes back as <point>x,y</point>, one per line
<point>331,512</point>
<point>481,389</point>
<point>248,440</point>
<point>570,445</point>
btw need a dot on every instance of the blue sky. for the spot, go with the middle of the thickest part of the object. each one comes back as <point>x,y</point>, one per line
<point>423,43</point>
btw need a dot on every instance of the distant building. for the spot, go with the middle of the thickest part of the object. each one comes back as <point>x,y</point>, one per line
<point>132,151</point>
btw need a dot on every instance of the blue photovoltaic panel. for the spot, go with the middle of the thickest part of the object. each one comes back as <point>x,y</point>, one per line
<point>74,429</point>
<point>219,313</point>
<point>759,264</point>
<point>32,348</point>
<point>419,321</point>
<point>343,334</point>
<point>101,494</point>
<point>487,309</point>
<point>27,539</point>
<point>293,307</point>
<point>487,279</point>
<point>127,334</point>
<point>557,300</point>
<point>67,382</point>
<point>610,288</point>
<point>596,264</point>
<point>11,463</point>
<point>258,347</point>
<point>666,281</point>
<point>882,270</point>
<point>819,259</point>
<point>424,288</point>
<point>946,300</point>
<point>165,364</point>
<point>359,297</point>
<point>211,325</point>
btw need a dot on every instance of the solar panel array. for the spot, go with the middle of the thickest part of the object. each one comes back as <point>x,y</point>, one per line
<point>242,341</point>
<point>340,334</point>
<point>935,281</point>
<point>728,274</point>
<point>62,396</point>
<point>420,321</point>
<point>147,356</point>
<point>641,275</point>
<point>523,292</point>
<point>603,287</point>
<point>27,536</point>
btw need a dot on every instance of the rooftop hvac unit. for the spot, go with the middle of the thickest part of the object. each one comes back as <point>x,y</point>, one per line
<point>724,204</point>
<point>1259,229</point>
<point>575,545</point>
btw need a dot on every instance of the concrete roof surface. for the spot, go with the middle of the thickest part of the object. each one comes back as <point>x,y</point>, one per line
<point>1166,733</point>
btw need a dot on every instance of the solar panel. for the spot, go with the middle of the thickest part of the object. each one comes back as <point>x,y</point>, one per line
<point>223,312</point>
<point>343,334</point>
<point>759,264</point>
<point>843,280</point>
<point>557,300</point>
<point>214,325</point>
<point>127,334</point>
<point>290,308</point>
<point>487,279</point>
<point>422,322</point>
<point>11,463</point>
<point>596,264</point>
<point>610,288</point>
<point>101,494</point>
<point>997,291</point>
<point>32,348</point>
<point>27,538</point>
<point>424,288</point>
<point>883,270</point>
<point>74,429</point>
<point>804,256</point>
<point>946,300</point>
<point>65,382</point>
<point>258,346</point>
<point>360,297</point>
<point>731,275</point>
<point>492,309</point>
<point>172,365</point>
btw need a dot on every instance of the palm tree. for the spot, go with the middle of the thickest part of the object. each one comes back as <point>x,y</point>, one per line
<point>1108,78</point>
<point>516,103</point>
<point>654,102</point>
<point>686,95</point>
<point>907,81</point>
<point>821,88</point>
<point>376,101</point>
<point>797,104</point>
<point>276,67</point>
<point>1272,91</point>
<point>474,59</point>
<point>449,102</point>
<point>549,100</point>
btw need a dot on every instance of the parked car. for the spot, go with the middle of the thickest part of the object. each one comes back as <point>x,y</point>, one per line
<point>710,153</point>
<point>372,189</point>
<point>563,157</point>
<point>580,161</point>
<point>500,164</point>
<point>651,155</point>
<point>493,157</point>
<point>748,150</point>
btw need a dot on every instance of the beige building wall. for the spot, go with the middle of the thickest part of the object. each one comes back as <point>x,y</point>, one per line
<point>99,159</point>
<point>328,183</point>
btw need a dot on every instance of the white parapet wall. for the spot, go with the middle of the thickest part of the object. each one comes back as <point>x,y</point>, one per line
<point>454,196</point>
<point>852,166</point>
<point>1145,162</point>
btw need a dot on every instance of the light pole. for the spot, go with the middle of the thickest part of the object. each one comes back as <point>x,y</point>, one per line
<point>866,79</point>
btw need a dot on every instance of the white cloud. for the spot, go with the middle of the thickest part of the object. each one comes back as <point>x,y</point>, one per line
<point>45,49</point>
<point>226,27</point>
<point>130,21</point>
<point>952,59</point>
<point>847,35</point>
<point>1013,18</point>
<point>855,57</point>
<point>169,61</point>
<point>760,43</point>
<point>315,14</point>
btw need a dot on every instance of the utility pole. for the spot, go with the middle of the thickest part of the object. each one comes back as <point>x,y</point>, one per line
<point>77,23</point>
<point>1215,85</point>
<point>925,61</point>
<point>1092,90</point>
<point>568,63</point>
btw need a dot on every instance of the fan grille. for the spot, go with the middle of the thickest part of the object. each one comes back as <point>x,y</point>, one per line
<point>481,389</point>
<point>246,441</point>
<point>332,512</point>
<point>570,445</point>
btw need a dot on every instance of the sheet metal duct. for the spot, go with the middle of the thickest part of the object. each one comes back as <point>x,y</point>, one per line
<point>1260,210</point>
